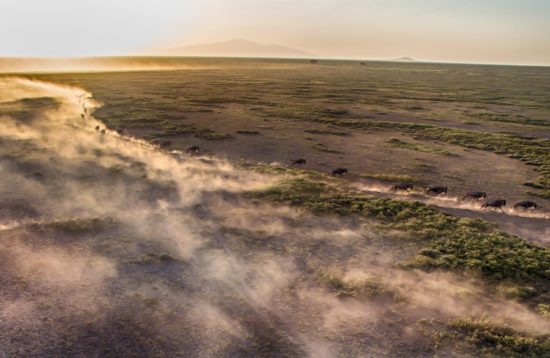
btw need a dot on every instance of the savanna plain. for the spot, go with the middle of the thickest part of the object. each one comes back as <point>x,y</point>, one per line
<point>169,207</point>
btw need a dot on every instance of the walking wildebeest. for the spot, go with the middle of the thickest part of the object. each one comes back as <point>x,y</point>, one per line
<point>526,204</point>
<point>435,189</point>
<point>300,161</point>
<point>402,187</point>
<point>165,144</point>
<point>475,195</point>
<point>193,150</point>
<point>495,203</point>
<point>339,171</point>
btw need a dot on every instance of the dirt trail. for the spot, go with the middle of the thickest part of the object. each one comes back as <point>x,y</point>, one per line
<point>528,224</point>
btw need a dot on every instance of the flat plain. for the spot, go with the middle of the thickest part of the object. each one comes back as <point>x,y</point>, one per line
<point>233,250</point>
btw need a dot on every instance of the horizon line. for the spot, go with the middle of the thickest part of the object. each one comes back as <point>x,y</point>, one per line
<point>313,57</point>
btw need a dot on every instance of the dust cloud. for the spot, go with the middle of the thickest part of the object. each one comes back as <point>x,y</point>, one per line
<point>78,65</point>
<point>110,246</point>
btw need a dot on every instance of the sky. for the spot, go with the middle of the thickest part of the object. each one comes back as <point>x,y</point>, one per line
<point>482,31</point>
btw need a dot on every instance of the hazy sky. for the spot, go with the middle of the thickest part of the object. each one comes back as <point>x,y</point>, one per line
<point>495,31</point>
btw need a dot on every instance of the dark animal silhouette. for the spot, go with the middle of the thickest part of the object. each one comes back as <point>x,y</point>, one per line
<point>402,187</point>
<point>299,161</point>
<point>339,171</point>
<point>166,144</point>
<point>526,204</point>
<point>193,150</point>
<point>97,128</point>
<point>102,131</point>
<point>475,195</point>
<point>435,189</point>
<point>495,204</point>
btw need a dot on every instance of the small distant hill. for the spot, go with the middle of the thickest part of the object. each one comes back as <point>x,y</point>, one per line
<point>235,48</point>
<point>405,59</point>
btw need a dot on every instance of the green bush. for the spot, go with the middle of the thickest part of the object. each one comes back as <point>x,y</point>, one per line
<point>500,340</point>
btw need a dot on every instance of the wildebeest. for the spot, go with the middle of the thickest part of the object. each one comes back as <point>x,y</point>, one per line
<point>165,144</point>
<point>402,187</point>
<point>97,128</point>
<point>526,204</point>
<point>300,161</point>
<point>339,171</point>
<point>495,203</point>
<point>193,150</point>
<point>102,131</point>
<point>475,195</point>
<point>436,189</point>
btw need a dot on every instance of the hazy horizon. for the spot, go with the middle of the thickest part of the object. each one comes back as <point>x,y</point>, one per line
<point>491,32</point>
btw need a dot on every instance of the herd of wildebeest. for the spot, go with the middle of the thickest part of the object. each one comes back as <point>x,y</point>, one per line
<point>442,190</point>
<point>436,190</point>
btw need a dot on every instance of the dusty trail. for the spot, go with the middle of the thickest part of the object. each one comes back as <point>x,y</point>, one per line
<point>528,224</point>
<point>111,247</point>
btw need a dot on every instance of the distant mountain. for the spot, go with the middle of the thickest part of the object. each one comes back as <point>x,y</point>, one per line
<point>235,48</point>
<point>405,59</point>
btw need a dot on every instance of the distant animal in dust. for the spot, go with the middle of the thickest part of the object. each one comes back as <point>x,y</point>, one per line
<point>102,132</point>
<point>165,145</point>
<point>300,161</point>
<point>97,128</point>
<point>402,187</point>
<point>436,189</point>
<point>494,204</point>
<point>339,171</point>
<point>193,150</point>
<point>477,195</point>
<point>526,205</point>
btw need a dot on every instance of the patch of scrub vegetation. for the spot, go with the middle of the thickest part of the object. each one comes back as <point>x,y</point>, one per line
<point>512,118</point>
<point>324,148</point>
<point>155,259</point>
<point>544,309</point>
<point>496,340</point>
<point>390,177</point>
<point>211,135</point>
<point>75,226</point>
<point>398,143</point>
<point>327,131</point>
<point>336,112</point>
<point>515,291</point>
<point>365,288</point>
<point>168,128</point>
<point>248,132</point>
<point>450,242</point>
